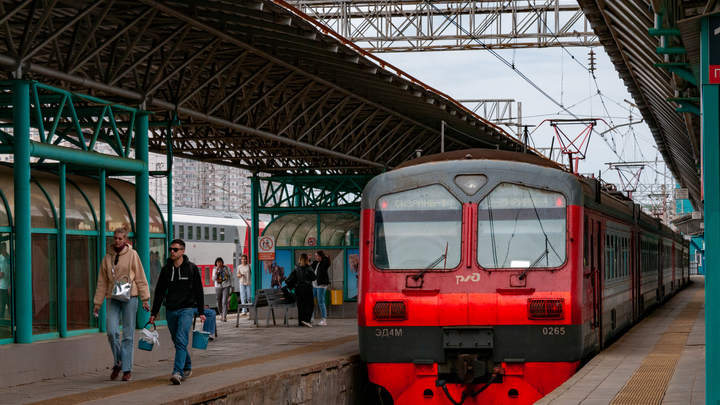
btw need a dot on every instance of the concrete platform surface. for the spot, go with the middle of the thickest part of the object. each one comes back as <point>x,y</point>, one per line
<point>617,368</point>
<point>247,354</point>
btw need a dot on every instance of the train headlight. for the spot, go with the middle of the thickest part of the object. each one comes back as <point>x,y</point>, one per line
<point>470,184</point>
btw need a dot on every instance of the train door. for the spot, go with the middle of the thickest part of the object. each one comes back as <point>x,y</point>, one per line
<point>599,277</point>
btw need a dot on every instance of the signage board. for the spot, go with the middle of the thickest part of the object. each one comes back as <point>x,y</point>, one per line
<point>266,248</point>
<point>696,215</point>
<point>311,242</point>
<point>681,194</point>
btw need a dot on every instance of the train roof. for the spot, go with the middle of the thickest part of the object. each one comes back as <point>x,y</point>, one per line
<point>483,154</point>
<point>209,217</point>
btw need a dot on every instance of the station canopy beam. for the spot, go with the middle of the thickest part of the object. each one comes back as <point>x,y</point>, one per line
<point>253,84</point>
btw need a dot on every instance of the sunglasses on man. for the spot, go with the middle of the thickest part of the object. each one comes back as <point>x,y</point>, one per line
<point>175,249</point>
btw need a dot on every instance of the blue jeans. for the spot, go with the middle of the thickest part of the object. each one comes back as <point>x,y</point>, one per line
<point>245,294</point>
<point>121,352</point>
<point>319,294</point>
<point>210,321</point>
<point>179,323</point>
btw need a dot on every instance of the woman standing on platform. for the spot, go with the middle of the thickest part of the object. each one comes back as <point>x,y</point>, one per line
<point>221,275</point>
<point>301,280</point>
<point>243,273</point>
<point>320,266</point>
<point>120,262</point>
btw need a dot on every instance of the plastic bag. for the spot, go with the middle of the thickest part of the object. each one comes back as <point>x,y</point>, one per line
<point>150,336</point>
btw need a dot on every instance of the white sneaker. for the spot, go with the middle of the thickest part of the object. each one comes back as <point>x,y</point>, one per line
<point>323,322</point>
<point>186,375</point>
<point>312,320</point>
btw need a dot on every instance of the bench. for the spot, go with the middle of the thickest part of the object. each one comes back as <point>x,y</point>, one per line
<point>272,298</point>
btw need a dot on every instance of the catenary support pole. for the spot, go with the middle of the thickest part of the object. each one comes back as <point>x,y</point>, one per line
<point>142,206</point>
<point>62,255</point>
<point>710,117</point>
<point>23,239</point>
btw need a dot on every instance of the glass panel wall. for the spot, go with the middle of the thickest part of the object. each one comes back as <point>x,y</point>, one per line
<point>7,186</point>
<point>341,229</point>
<point>44,283</point>
<point>6,310</point>
<point>4,219</point>
<point>41,214</point>
<point>158,257</point>
<point>156,221</point>
<point>81,281</point>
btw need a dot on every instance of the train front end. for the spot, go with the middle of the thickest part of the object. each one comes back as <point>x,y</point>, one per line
<point>471,281</point>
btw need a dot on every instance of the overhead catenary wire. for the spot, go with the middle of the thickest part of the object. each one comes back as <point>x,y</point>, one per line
<point>500,58</point>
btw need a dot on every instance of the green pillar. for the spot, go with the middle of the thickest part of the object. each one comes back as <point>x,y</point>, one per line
<point>168,141</point>
<point>62,257</point>
<point>142,206</point>
<point>710,106</point>
<point>23,239</point>
<point>102,245</point>
<point>255,226</point>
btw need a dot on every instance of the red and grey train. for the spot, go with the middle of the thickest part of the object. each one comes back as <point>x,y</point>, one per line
<point>489,277</point>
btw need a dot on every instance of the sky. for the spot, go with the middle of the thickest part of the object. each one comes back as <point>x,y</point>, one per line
<point>476,74</point>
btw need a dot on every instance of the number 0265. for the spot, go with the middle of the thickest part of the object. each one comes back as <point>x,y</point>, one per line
<point>557,330</point>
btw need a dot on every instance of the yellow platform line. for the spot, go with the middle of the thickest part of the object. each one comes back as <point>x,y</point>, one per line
<point>127,387</point>
<point>650,381</point>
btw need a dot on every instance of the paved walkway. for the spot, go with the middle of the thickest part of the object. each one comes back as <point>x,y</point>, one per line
<point>640,367</point>
<point>238,355</point>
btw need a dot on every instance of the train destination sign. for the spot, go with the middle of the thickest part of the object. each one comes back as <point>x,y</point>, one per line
<point>266,248</point>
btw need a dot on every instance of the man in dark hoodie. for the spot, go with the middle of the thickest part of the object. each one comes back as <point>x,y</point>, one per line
<point>180,287</point>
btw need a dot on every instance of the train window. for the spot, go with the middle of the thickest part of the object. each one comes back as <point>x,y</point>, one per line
<point>190,232</point>
<point>414,229</point>
<point>198,233</point>
<point>521,227</point>
<point>222,234</point>
<point>214,233</point>
<point>207,233</point>
<point>181,235</point>
<point>208,275</point>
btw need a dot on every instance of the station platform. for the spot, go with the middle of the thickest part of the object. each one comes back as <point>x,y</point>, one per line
<point>661,360</point>
<point>308,364</point>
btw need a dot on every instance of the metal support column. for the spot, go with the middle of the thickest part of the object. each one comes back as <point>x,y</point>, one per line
<point>168,140</point>
<point>62,256</point>
<point>102,244</point>
<point>711,191</point>
<point>254,228</point>
<point>23,239</point>
<point>142,206</point>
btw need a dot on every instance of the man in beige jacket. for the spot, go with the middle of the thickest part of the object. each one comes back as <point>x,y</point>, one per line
<point>121,261</point>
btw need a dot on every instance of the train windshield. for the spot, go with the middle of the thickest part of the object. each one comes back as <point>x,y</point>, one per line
<point>415,229</point>
<point>521,227</point>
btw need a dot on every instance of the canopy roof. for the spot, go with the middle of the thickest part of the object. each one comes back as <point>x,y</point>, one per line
<point>336,229</point>
<point>255,84</point>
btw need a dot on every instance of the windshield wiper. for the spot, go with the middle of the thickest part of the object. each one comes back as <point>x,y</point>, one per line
<point>434,263</point>
<point>543,254</point>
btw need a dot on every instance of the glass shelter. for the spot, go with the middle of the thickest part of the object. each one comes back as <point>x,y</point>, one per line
<point>335,233</point>
<point>85,245</point>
